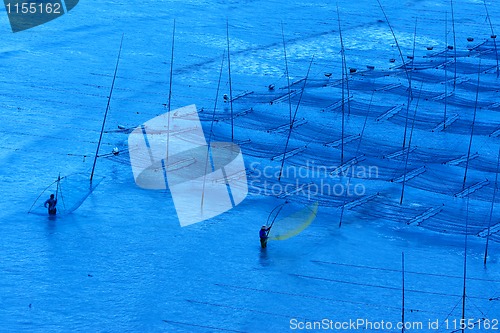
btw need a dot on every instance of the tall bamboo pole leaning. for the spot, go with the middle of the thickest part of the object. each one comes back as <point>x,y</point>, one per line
<point>107,109</point>
<point>343,94</point>
<point>409,95</point>
<point>207,156</point>
<point>230,82</point>
<point>170,91</point>
<point>293,120</point>
<point>399,49</point>
<point>286,72</point>
<point>171,69</point>
<point>473,123</point>
<point>344,66</point>
<point>409,147</point>
<point>491,209</point>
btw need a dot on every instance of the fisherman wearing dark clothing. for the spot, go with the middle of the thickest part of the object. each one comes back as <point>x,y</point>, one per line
<point>51,205</point>
<point>263,234</point>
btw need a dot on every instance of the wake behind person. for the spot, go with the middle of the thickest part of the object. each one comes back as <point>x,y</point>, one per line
<point>51,205</point>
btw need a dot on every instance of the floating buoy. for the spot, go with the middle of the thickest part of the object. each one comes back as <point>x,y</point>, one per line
<point>225,98</point>
<point>352,70</point>
<point>116,151</point>
<point>450,47</point>
<point>470,39</point>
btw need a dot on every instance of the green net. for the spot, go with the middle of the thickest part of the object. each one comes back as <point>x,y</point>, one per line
<point>292,224</point>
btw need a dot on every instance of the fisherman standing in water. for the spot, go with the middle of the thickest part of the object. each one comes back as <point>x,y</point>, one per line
<point>264,235</point>
<point>51,205</point>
